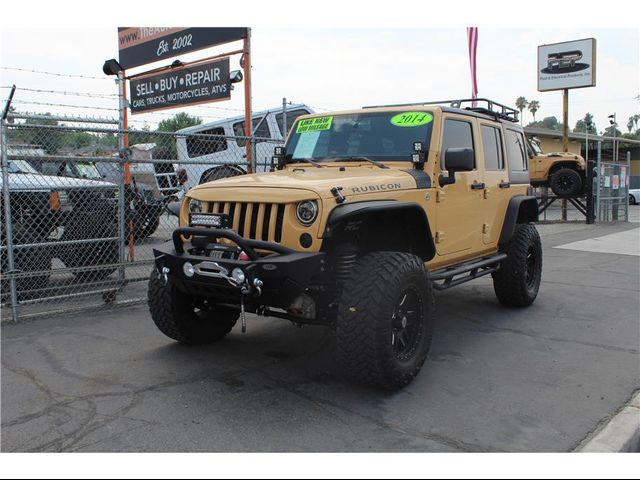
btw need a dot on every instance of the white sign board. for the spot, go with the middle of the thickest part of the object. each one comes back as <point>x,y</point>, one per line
<point>567,65</point>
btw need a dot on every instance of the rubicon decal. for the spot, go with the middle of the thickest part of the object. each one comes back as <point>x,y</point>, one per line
<point>376,188</point>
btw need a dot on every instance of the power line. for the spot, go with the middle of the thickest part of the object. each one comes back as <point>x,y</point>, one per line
<point>64,105</point>
<point>69,75</point>
<point>61,92</point>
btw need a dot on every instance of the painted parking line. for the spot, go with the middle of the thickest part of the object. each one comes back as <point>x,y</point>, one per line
<point>623,243</point>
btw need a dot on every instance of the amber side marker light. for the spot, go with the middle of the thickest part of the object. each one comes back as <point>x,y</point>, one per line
<point>54,200</point>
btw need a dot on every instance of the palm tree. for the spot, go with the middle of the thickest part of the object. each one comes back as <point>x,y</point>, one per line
<point>534,106</point>
<point>521,104</point>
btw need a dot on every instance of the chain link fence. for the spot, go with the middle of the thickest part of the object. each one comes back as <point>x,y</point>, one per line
<point>611,183</point>
<point>80,217</point>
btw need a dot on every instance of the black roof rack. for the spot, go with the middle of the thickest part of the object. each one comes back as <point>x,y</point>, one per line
<point>483,105</point>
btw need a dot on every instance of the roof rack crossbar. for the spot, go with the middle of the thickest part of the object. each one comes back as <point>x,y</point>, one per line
<point>489,107</point>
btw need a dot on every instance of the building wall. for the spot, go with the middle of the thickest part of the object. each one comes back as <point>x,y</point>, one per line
<point>550,144</point>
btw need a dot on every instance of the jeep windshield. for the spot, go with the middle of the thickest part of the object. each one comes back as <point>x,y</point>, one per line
<point>386,136</point>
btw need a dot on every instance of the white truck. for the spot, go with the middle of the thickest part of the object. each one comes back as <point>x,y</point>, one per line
<point>214,150</point>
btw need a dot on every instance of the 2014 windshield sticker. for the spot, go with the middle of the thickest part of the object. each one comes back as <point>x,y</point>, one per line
<point>411,119</point>
<point>317,124</point>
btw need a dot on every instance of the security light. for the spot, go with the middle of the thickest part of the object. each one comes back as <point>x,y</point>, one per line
<point>112,67</point>
<point>235,76</point>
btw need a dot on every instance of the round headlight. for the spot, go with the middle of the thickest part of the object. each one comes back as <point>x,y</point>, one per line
<point>195,206</point>
<point>307,212</point>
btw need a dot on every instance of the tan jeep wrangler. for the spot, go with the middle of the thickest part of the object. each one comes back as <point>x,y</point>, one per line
<point>563,172</point>
<point>368,212</point>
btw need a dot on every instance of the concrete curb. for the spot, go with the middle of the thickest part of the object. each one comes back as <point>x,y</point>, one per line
<point>620,434</point>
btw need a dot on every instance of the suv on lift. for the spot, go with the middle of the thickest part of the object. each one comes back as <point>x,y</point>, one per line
<point>368,212</point>
<point>563,172</point>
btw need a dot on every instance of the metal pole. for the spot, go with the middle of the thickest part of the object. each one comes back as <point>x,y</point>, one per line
<point>589,192</point>
<point>248,127</point>
<point>284,117</point>
<point>599,178</point>
<point>7,216</point>
<point>122,146</point>
<point>565,120</point>
<point>627,174</point>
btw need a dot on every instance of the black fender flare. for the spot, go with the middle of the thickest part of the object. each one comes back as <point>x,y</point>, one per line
<point>350,215</point>
<point>237,168</point>
<point>521,209</point>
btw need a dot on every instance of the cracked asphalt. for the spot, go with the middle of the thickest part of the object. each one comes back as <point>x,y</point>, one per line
<point>497,379</point>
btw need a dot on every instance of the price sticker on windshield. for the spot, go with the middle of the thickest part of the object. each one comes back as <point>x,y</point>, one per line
<point>411,119</point>
<point>317,124</point>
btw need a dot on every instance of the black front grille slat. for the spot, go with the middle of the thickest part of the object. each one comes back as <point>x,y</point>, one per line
<point>265,223</point>
<point>232,210</point>
<point>279,221</point>
<point>254,221</point>
<point>243,214</point>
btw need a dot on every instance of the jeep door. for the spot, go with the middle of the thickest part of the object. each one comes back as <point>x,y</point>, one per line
<point>497,191</point>
<point>458,218</point>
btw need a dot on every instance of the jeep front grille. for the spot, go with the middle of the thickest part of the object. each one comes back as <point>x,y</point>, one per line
<point>257,221</point>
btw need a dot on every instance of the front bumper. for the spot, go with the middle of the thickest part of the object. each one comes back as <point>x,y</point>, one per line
<point>273,277</point>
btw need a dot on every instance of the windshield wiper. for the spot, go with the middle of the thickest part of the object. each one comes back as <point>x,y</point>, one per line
<point>359,159</point>
<point>308,160</point>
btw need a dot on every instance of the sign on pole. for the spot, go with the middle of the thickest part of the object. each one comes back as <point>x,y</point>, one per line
<point>200,83</point>
<point>141,45</point>
<point>567,65</point>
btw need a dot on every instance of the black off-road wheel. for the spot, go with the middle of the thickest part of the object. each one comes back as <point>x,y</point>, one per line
<point>177,315</point>
<point>385,320</point>
<point>517,281</point>
<point>566,182</point>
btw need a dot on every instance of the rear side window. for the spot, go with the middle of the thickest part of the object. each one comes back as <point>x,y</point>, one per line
<point>457,134</point>
<point>205,143</point>
<point>261,133</point>
<point>492,148</point>
<point>516,156</point>
<point>291,118</point>
<point>516,151</point>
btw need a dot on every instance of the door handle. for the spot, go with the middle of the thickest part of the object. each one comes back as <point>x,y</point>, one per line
<point>504,184</point>
<point>477,186</point>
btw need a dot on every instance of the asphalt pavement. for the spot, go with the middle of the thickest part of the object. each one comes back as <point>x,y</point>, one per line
<point>497,379</point>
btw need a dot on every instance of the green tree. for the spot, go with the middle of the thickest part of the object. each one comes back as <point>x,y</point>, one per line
<point>581,125</point>
<point>178,122</point>
<point>521,104</point>
<point>534,106</point>
<point>609,131</point>
<point>34,132</point>
<point>166,145</point>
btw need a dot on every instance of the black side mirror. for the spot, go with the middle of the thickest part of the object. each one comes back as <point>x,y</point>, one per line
<point>456,160</point>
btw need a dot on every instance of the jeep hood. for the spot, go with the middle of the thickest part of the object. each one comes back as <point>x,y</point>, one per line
<point>300,181</point>
<point>572,156</point>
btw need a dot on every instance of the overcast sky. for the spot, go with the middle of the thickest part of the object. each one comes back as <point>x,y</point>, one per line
<point>338,68</point>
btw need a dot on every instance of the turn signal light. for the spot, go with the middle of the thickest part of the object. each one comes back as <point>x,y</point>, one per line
<point>54,200</point>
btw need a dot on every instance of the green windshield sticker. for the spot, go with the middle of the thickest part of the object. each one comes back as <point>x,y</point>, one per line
<point>411,119</point>
<point>317,124</point>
